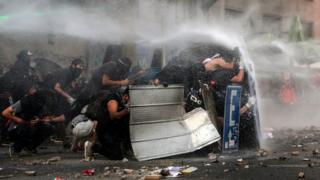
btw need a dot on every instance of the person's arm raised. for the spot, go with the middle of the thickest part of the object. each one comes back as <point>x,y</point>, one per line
<point>113,110</point>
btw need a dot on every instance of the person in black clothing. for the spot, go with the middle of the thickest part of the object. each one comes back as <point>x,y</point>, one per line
<point>29,121</point>
<point>110,75</point>
<point>113,53</point>
<point>171,74</point>
<point>61,80</point>
<point>18,81</point>
<point>112,128</point>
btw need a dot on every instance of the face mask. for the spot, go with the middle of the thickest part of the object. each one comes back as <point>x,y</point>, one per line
<point>76,71</point>
<point>32,64</point>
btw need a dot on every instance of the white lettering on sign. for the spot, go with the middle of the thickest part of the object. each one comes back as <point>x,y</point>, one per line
<point>232,122</point>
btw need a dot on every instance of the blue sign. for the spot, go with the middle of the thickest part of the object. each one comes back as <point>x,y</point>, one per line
<point>231,119</point>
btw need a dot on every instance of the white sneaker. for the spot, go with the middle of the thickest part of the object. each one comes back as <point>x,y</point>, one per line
<point>88,154</point>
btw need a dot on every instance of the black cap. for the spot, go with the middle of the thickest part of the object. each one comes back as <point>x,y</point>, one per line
<point>125,62</point>
<point>77,61</point>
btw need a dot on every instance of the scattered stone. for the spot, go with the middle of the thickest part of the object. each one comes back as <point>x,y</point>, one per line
<point>295,153</point>
<point>128,171</point>
<point>212,157</point>
<point>263,153</point>
<point>57,142</point>
<point>34,162</point>
<point>297,146</point>
<point>107,174</point>
<point>282,158</point>
<point>315,152</point>
<point>301,175</point>
<point>77,175</point>
<point>311,165</point>
<point>123,177</point>
<point>6,176</point>
<point>125,160</point>
<point>54,159</point>
<point>116,168</point>
<point>226,170</point>
<point>239,160</point>
<point>242,164</point>
<point>30,173</point>
<point>107,168</point>
<point>262,164</point>
<point>207,164</point>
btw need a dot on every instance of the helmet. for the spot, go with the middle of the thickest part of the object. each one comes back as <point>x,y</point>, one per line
<point>24,54</point>
<point>77,61</point>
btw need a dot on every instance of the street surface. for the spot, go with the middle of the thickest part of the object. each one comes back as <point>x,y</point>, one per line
<point>289,153</point>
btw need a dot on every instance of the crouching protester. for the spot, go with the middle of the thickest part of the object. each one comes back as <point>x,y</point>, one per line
<point>83,129</point>
<point>28,122</point>
<point>112,127</point>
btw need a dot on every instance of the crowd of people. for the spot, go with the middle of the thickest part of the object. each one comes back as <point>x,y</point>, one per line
<point>35,109</point>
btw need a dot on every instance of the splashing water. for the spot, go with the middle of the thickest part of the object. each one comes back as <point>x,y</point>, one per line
<point>286,92</point>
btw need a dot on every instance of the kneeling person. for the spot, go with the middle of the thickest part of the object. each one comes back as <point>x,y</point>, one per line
<point>112,128</point>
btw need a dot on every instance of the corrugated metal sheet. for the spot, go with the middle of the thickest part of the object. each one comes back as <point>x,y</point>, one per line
<point>159,126</point>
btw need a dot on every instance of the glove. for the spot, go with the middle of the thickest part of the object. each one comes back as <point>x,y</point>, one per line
<point>251,102</point>
<point>71,100</point>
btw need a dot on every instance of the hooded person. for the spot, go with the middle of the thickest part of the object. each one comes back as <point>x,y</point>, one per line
<point>64,79</point>
<point>61,82</point>
<point>112,127</point>
<point>110,75</point>
<point>20,79</point>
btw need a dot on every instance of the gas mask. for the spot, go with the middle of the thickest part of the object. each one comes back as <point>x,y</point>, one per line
<point>76,71</point>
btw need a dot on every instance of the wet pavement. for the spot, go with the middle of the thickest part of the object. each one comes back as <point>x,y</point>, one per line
<point>290,154</point>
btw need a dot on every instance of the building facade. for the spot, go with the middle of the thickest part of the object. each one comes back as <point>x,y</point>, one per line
<point>277,16</point>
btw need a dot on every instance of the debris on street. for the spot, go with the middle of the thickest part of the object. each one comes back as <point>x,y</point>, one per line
<point>301,175</point>
<point>262,153</point>
<point>315,152</point>
<point>295,153</point>
<point>213,158</point>
<point>54,159</point>
<point>189,170</point>
<point>6,176</point>
<point>88,172</point>
<point>30,173</point>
